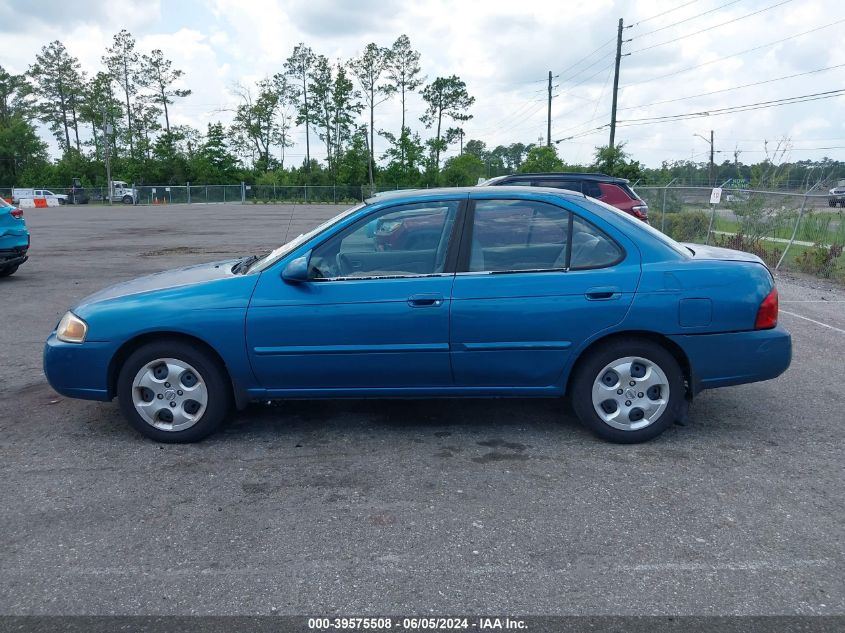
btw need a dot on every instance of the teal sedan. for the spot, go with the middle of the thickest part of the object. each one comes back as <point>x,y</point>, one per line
<point>14,238</point>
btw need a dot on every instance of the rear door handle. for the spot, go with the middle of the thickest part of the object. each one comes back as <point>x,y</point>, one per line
<point>603,293</point>
<point>425,301</point>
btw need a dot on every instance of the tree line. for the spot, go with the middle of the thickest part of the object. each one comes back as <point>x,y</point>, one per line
<point>125,108</point>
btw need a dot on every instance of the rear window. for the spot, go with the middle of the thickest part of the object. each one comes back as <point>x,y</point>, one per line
<point>642,226</point>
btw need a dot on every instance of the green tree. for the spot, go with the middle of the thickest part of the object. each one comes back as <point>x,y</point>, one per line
<point>462,171</point>
<point>615,161</point>
<point>298,66</point>
<point>403,70</point>
<point>255,119</point>
<point>121,60</point>
<point>99,106</point>
<point>368,69</point>
<point>287,102</point>
<point>539,159</point>
<point>445,97</point>
<point>158,74</point>
<point>57,82</point>
<point>405,157</point>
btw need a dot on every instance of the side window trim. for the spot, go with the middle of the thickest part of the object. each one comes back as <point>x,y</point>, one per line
<point>449,266</point>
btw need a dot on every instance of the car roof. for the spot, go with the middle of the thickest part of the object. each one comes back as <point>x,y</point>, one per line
<point>452,191</point>
<point>567,175</point>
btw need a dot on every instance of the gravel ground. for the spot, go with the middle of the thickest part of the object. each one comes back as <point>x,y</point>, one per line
<point>364,507</point>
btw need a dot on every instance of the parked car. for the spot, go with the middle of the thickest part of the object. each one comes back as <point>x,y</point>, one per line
<point>837,195</point>
<point>19,193</point>
<point>616,192</point>
<point>14,238</point>
<point>582,300</point>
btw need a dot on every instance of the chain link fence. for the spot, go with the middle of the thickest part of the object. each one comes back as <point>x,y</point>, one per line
<point>793,231</point>
<point>796,232</point>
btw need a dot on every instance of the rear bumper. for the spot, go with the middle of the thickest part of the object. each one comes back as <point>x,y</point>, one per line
<point>721,360</point>
<point>78,370</point>
<point>13,256</point>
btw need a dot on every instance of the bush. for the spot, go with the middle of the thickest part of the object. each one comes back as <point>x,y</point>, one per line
<point>819,260</point>
<point>687,227</point>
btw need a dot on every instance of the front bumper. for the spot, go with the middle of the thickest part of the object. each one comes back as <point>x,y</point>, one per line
<point>78,370</point>
<point>736,358</point>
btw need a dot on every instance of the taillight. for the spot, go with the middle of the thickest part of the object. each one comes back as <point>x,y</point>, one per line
<point>767,313</point>
<point>17,214</point>
<point>640,211</point>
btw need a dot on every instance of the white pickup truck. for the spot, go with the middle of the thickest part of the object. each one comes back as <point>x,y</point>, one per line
<point>19,194</point>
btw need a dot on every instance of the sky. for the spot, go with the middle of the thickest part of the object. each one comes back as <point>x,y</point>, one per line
<point>680,57</point>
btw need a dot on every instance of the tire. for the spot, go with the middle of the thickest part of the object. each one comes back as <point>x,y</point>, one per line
<point>188,422</point>
<point>127,200</point>
<point>9,270</point>
<point>651,368</point>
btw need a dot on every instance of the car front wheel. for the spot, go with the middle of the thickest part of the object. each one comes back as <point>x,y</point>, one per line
<point>8,270</point>
<point>628,390</point>
<point>173,392</point>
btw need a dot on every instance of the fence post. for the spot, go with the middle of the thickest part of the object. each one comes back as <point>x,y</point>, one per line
<point>206,194</point>
<point>188,187</point>
<point>795,228</point>
<point>306,192</point>
<point>663,216</point>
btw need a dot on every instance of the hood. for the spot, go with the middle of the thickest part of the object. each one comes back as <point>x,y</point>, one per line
<point>175,278</point>
<point>725,254</point>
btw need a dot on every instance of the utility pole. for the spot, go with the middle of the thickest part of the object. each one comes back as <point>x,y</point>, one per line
<point>615,86</point>
<point>549,117</point>
<point>107,130</point>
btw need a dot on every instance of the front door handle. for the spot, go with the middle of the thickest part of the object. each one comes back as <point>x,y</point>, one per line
<point>425,301</point>
<point>603,293</point>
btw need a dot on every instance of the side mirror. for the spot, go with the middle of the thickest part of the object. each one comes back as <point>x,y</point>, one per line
<point>297,269</point>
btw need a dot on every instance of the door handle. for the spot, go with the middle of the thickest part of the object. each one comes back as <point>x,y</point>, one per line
<point>425,301</point>
<point>603,293</point>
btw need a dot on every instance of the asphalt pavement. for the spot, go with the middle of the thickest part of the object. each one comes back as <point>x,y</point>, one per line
<point>399,507</point>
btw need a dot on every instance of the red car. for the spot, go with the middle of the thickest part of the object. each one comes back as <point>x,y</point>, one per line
<point>616,192</point>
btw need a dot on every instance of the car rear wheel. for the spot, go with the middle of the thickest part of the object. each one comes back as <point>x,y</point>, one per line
<point>173,392</point>
<point>9,270</point>
<point>628,390</point>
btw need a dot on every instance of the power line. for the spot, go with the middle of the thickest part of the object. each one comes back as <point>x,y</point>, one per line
<point>749,85</point>
<point>661,14</point>
<point>602,58</point>
<point>732,55</point>
<point>715,26</point>
<point>698,15</point>
<point>587,56</point>
<point>816,96</point>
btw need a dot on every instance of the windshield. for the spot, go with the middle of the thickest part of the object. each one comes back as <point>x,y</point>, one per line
<point>665,239</point>
<point>273,256</point>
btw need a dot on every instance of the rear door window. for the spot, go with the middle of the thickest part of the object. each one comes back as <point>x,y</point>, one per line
<point>591,247</point>
<point>518,235</point>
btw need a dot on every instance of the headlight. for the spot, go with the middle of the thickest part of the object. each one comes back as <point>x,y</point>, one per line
<point>71,329</point>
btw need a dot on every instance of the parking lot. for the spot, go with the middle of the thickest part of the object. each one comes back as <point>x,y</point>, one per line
<point>399,507</point>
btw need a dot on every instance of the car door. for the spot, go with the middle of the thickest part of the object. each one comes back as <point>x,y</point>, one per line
<point>373,315</point>
<point>519,308</point>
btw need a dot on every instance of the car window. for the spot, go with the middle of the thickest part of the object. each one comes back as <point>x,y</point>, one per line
<point>613,194</point>
<point>592,189</point>
<point>408,240</point>
<point>513,235</point>
<point>517,183</point>
<point>571,185</point>
<point>592,248</point>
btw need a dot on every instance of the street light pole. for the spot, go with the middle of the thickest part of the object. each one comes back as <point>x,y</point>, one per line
<point>710,170</point>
